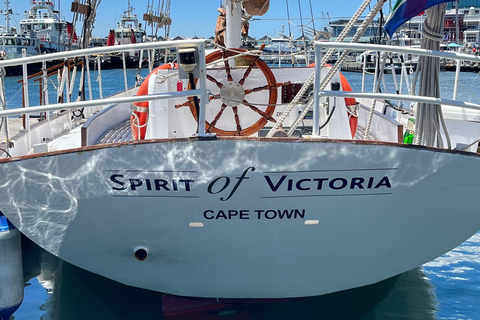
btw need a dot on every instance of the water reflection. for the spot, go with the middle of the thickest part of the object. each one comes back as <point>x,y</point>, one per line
<point>61,291</point>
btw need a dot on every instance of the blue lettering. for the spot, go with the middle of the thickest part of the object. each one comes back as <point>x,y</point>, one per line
<point>279,183</point>
<point>161,183</point>
<point>232,213</point>
<point>300,215</point>
<point>299,184</point>
<point>114,177</point>
<point>370,183</point>
<point>341,186</point>
<point>149,184</point>
<point>384,182</point>
<point>270,214</point>
<point>357,182</point>
<point>187,184</point>
<point>285,213</point>
<point>221,214</point>
<point>134,183</point>
<point>225,185</point>
<point>320,182</point>
<point>244,214</point>
<point>205,214</point>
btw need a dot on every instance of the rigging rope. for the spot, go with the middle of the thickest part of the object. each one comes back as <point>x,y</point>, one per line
<point>310,79</point>
<point>360,31</point>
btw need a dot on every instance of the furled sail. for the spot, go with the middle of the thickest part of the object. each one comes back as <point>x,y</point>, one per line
<point>256,7</point>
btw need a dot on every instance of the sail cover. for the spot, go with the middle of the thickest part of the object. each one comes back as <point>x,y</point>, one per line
<point>256,7</point>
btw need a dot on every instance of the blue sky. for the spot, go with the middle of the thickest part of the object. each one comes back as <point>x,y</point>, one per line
<point>198,17</point>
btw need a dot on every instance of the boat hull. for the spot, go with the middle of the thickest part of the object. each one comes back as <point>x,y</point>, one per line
<point>244,218</point>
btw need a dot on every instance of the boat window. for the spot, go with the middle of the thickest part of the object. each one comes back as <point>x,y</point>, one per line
<point>118,34</point>
<point>19,41</point>
<point>1,42</point>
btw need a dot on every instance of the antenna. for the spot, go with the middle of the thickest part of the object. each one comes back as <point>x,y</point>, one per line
<point>7,13</point>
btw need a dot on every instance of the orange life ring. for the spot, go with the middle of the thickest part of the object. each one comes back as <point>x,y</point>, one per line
<point>349,102</point>
<point>139,117</point>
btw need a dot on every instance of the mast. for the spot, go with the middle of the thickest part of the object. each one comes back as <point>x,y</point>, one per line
<point>7,13</point>
<point>234,24</point>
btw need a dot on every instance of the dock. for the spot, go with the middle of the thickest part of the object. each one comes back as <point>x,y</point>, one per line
<point>352,67</point>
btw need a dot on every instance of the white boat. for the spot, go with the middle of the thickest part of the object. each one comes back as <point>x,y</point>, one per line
<point>44,22</point>
<point>243,203</point>
<point>14,45</point>
<point>128,31</point>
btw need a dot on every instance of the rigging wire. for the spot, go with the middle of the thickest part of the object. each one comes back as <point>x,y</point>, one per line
<point>301,18</point>
<point>313,20</point>
<point>288,19</point>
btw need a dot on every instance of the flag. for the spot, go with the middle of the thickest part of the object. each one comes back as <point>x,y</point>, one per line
<point>404,10</point>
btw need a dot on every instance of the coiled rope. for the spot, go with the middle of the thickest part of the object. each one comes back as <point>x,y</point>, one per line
<point>429,119</point>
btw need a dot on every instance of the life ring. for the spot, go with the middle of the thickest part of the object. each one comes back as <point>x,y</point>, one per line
<point>350,103</point>
<point>139,117</point>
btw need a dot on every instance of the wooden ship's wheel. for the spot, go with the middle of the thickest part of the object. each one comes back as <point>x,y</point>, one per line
<point>230,110</point>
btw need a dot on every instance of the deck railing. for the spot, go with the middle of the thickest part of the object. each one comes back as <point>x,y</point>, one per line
<point>403,50</point>
<point>101,102</point>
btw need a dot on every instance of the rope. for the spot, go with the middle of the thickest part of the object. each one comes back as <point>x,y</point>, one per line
<point>360,31</point>
<point>310,79</point>
<point>429,119</point>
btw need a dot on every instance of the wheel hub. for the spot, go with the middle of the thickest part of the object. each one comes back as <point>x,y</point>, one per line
<point>232,94</point>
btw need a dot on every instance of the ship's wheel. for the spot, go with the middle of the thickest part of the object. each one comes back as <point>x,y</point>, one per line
<point>242,102</point>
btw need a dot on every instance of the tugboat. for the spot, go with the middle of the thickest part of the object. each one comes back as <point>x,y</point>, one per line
<point>128,31</point>
<point>44,22</point>
<point>13,44</point>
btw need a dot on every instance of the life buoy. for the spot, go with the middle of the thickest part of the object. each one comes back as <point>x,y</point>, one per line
<point>139,117</point>
<point>350,103</point>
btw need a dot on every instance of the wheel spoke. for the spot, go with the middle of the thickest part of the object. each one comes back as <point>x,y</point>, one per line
<point>237,121</point>
<point>219,85</point>
<point>227,66</point>
<point>217,117</point>
<point>185,104</point>
<point>247,72</point>
<point>214,97</point>
<point>266,87</point>
<point>260,112</point>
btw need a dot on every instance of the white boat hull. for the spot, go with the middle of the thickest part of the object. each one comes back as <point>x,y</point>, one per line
<point>245,218</point>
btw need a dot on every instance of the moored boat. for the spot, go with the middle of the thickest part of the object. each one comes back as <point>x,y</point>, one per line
<point>128,31</point>
<point>44,22</point>
<point>222,184</point>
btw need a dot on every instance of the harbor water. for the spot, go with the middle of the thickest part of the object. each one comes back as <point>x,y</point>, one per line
<point>446,288</point>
